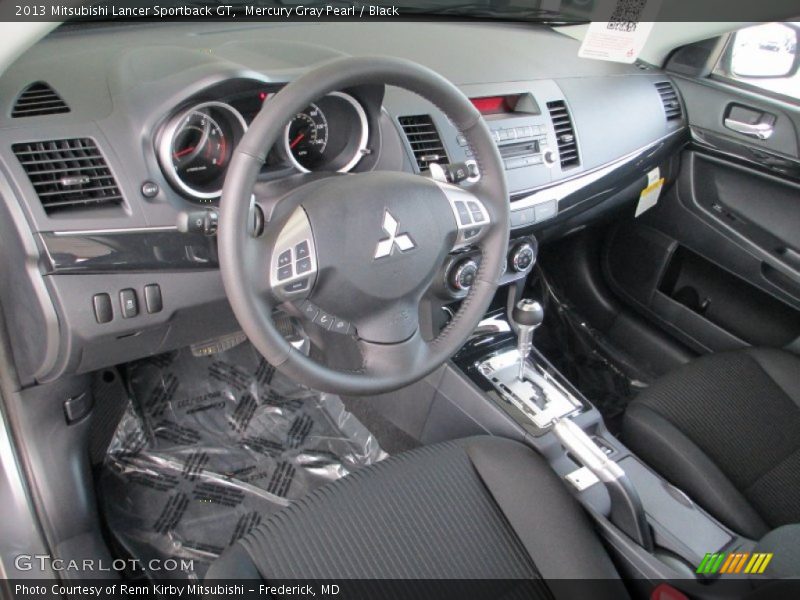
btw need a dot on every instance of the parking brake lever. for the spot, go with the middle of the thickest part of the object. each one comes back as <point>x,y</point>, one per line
<point>627,511</point>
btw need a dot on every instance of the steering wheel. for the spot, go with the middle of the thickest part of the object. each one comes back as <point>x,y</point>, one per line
<point>355,253</point>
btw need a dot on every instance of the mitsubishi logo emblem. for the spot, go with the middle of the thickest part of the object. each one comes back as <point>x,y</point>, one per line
<point>403,242</point>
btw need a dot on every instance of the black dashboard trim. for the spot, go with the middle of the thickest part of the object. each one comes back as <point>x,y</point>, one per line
<point>138,250</point>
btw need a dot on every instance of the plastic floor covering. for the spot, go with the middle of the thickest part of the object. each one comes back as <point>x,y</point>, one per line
<point>209,447</point>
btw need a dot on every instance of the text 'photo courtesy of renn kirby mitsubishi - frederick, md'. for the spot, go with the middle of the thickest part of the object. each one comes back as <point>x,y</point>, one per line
<point>400,299</point>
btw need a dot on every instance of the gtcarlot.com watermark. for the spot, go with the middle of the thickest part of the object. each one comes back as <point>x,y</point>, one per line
<point>45,562</point>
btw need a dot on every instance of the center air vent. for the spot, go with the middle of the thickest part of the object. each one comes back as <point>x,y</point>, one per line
<point>424,139</point>
<point>565,134</point>
<point>68,174</point>
<point>38,99</point>
<point>669,98</point>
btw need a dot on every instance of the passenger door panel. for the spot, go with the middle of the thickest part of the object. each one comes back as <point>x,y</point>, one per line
<point>717,261</point>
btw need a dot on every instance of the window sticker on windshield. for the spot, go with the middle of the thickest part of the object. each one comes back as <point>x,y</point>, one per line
<point>622,37</point>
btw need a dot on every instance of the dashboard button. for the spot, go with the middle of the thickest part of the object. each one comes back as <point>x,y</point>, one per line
<point>103,311</point>
<point>546,210</point>
<point>301,250</point>
<point>303,266</point>
<point>152,298</point>
<point>129,303</point>
<point>296,286</point>
<point>285,258</point>
<point>522,217</point>
<point>284,272</point>
<point>149,189</point>
<point>324,320</point>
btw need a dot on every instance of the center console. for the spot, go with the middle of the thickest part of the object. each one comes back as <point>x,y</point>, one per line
<point>657,531</point>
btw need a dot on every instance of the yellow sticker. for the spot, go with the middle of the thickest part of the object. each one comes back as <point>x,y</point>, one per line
<point>649,196</point>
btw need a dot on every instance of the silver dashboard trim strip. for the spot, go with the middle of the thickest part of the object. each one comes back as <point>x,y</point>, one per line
<point>111,231</point>
<point>560,190</point>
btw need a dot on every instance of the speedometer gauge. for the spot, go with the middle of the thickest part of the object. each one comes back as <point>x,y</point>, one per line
<point>197,145</point>
<point>330,135</point>
<point>307,137</point>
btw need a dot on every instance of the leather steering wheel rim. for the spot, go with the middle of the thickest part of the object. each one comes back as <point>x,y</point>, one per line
<point>385,366</point>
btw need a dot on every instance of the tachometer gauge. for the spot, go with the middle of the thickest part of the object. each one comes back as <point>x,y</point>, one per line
<point>307,137</point>
<point>197,145</point>
<point>330,134</point>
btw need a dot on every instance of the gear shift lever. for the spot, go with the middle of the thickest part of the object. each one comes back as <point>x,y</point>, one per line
<point>527,316</point>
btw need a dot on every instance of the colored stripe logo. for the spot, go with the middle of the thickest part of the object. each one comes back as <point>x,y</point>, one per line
<point>735,562</point>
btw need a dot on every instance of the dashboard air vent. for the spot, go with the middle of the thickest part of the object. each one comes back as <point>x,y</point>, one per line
<point>38,99</point>
<point>68,174</point>
<point>669,98</point>
<point>424,139</point>
<point>565,134</point>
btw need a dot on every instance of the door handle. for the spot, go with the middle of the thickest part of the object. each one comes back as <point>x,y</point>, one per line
<point>761,130</point>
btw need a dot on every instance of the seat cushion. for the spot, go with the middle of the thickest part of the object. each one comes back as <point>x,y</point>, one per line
<point>479,508</point>
<point>726,429</point>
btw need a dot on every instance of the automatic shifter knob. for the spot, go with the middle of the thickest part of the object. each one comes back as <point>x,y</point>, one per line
<point>527,316</point>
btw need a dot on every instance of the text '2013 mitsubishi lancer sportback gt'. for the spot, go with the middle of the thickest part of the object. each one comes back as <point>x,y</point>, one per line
<point>425,299</point>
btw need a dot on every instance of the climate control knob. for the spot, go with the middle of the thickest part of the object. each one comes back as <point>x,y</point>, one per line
<point>522,256</point>
<point>462,275</point>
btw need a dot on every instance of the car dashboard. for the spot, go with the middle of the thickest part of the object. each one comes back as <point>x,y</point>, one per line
<point>116,139</point>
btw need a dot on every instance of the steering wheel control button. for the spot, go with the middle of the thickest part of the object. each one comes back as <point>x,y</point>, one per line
<point>285,272</point>
<point>463,213</point>
<point>341,326</point>
<point>470,214</point>
<point>324,320</point>
<point>296,286</point>
<point>471,233</point>
<point>153,301</point>
<point>301,250</point>
<point>475,211</point>
<point>293,266</point>
<point>309,310</point>
<point>303,266</point>
<point>129,303</point>
<point>103,311</point>
<point>285,258</point>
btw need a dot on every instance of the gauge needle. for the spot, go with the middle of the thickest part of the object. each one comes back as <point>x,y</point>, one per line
<point>297,140</point>
<point>184,152</point>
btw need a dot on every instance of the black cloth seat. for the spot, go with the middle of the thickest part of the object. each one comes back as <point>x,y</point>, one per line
<point>478,508</point>
<point>725,428</point>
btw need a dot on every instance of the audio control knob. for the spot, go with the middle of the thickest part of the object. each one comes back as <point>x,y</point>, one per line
<point>462,275</point>
<point>522,256</point>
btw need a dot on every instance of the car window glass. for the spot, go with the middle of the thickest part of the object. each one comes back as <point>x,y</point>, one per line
<point>764,56</point>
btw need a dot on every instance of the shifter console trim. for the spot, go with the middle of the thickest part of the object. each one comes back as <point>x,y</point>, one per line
<point>539,396</point>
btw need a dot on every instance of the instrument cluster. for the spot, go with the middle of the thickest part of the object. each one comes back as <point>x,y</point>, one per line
<point>195,145</point>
